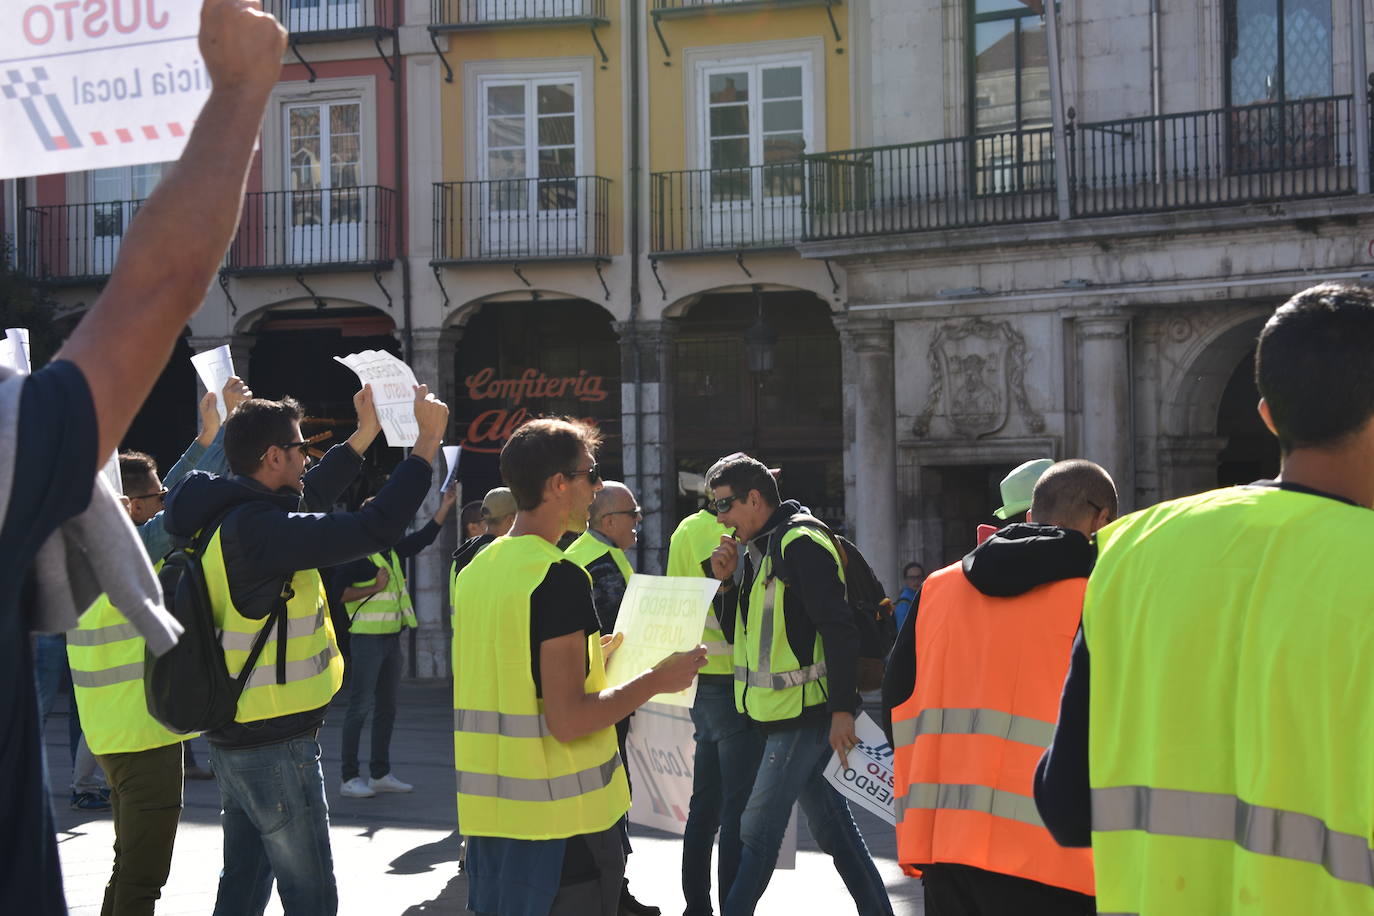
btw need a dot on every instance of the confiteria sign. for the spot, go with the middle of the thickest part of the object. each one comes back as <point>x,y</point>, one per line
<point>492,427</point>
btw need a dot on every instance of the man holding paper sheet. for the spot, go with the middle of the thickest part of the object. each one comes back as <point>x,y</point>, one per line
<point>265,553</point>
<point>974,686</point>
<point>540,783</point>
<point>96,384</point>
<point>796,675</point>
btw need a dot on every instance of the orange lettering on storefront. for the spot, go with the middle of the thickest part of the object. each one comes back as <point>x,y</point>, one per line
<point>489,430</point>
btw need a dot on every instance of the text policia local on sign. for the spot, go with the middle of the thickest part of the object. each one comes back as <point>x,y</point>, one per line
<point>51,24</point>
<point>491,428</point>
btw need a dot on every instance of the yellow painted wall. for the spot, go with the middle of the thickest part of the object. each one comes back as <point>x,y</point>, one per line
<point>716,29</point>
<point>526,43</point>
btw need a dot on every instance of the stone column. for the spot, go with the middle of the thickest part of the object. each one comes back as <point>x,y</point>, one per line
<point>427,653</point>
<point>868,343</point>
<point>646,354</point>
<point>1104,353</point>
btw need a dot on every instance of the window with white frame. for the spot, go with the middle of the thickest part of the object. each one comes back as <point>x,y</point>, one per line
<point>757,121</point>
<point>115,195</point>
<point>530,156</point>
<point>324,170</point>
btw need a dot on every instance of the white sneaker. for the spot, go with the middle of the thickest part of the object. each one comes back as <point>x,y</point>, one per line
<point>356,787</point>
<point>388,783</point>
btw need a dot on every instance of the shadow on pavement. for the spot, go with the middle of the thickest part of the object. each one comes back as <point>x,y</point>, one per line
<point>452,899</point>
<point>423,858</point>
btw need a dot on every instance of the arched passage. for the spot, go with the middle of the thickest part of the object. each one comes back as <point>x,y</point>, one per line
<point>792,417</point>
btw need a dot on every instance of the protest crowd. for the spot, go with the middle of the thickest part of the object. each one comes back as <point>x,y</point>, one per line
<point>1156,712</point>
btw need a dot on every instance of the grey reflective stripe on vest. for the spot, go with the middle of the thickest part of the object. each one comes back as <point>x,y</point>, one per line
<point>1021,729</point>
<point>719,649</point>
<point>950,797</point>
<point>1210,816</point>
<point>765,677</point>
<point>378,615</point>
<point>511,788</point>
<point>265,673</point>
<point>109,676</point>
<point>101,636</point>
<point>296,627</point>
<point>490,722</point>
<point>386,596</point>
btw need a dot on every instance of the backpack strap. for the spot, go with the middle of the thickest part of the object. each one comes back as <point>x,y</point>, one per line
<point>778,569</point>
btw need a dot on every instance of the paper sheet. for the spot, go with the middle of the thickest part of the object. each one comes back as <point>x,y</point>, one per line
<point>452,454</point>
<point>660,615</point>
<point>868,779</point>
<point>215,368</point>
<point>393,393</point>
<point>112,475</point>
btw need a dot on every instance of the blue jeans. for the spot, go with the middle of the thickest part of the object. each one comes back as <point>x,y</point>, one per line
<point>53,676</point>
<point>792,770</point>
<point>276,824</point>
<point>375,675</point>
<point>727,756</point>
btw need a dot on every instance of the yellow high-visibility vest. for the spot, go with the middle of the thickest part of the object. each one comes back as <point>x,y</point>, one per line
<point>386,611</point>
<point>694,540</point>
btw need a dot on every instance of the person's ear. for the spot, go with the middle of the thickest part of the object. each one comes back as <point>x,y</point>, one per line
<point>1267,416</point>
<point>1029,520</point>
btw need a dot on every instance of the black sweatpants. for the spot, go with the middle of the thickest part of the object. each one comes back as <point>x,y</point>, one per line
<point>961,890</point>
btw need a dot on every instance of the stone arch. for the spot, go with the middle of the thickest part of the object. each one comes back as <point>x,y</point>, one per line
<point>1191,443</point>
<point>459,315</point>
<point>681,306</point>
<point>248,320</point>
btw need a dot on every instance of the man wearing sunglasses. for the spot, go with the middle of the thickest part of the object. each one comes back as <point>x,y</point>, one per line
<point>268,550</point>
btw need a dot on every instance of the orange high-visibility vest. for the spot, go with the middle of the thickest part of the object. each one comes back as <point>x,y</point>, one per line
<point>989,672</point>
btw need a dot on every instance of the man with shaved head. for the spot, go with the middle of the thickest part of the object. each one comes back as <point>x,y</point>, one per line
<point>612,529</point>
<point>974,688</point>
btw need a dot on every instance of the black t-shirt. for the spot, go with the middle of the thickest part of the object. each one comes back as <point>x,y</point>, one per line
<point>54,467</point>
<point>560,605</point>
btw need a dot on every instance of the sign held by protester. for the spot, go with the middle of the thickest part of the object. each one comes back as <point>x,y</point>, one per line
<point>451,455</point>
<point>660,615</point>
<point>868,779</point>
<point>215,368</point>
<point>14,350</point>
<point>393,393</point>
<point>97,85</point>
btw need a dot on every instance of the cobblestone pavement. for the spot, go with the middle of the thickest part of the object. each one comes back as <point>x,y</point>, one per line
<point>398,854</point>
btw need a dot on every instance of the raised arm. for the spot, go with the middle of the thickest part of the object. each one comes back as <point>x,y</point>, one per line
<point>163,270</point>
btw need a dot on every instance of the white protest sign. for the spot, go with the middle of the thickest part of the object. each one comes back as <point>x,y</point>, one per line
<point>215,368</point>
<point>14,350</point>
<point>393,393</point>
<point>867,780</point>
<point>660,615</point>
<point>97,84</point>
<point>451,453</point>
<point>661,748</point>
<point>112,475</point>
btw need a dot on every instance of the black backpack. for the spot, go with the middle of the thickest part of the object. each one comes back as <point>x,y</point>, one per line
<point>189,689</point>
<point>868,601</point>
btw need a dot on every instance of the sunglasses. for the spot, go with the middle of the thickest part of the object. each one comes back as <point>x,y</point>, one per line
<point>159,494</point>
<point>593,475</point>
<point>722,505</point>
<point>637,513</point>
<point>303,447</point>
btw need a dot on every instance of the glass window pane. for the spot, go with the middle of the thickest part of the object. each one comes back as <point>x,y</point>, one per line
<point>144,178</point>
<point>505,132</point>
<point>1307,68</point>
<point>345,205</point>
<point>507,163</point>
<point>505,100</point>
<point>782,82</point>
<point>731,187</point>
<point>729,154</point>
<point>1002,6</point>
<point>1035,74</point>
<point>305,122</point>
<point>305,163</point>
<point>306,208</point>
<point>729,87</point>
<point>730,121</point>
<point>557,131</point>
<point>345,150</point>
<point>556,99</point>
<point>994,73</point>
<point>344,175</point>
<point>344,119</point>
<point>783,147</point>
<point>557,163</point>
<point>1255,59</point>
<point>557,195</point>
<point>783,116</point>
<point>107,184</point>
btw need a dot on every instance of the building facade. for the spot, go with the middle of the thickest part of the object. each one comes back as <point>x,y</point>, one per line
<point>894,247</point>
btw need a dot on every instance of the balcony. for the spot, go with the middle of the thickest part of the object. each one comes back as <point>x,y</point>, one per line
<point>522,219</point>
<point>76,243</point>
<point>938,184</point>
<point>330,20</point>
<point>1253,154</point>
<point>753,207</point>
<point>669,7</point>
<point>313,231</point>
<point>456,15</point>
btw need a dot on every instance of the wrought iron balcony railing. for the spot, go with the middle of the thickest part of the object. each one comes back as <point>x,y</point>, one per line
<point>522,219</point>
<point>939,184</point>
<point>316,19</point>
<point>673,6</point>
<point>1256,153</point>
<point>757,206</point>
<point>459,14</point>
<point>76,243</point>
<point>339,228</point>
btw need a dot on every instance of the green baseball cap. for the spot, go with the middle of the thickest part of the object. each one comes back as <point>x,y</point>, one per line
<point>1018,486</point>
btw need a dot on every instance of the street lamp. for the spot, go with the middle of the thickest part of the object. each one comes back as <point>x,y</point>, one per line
<point>760,342</point>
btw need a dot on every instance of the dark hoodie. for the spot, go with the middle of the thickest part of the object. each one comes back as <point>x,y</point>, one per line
<point>814,604</point>
<point>270,536</point>
<point>1013,561</point>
